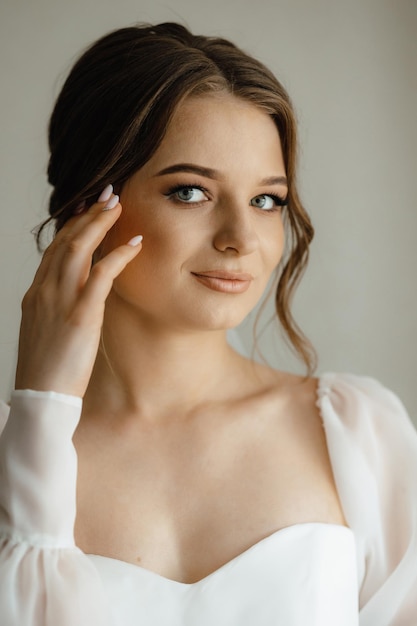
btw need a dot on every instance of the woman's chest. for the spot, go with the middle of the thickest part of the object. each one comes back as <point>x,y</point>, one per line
<point>185,504</point>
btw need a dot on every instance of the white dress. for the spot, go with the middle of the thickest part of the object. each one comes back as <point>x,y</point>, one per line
<point>310,574</point>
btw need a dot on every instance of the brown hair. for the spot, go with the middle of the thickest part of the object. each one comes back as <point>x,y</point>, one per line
<point>114,109</point>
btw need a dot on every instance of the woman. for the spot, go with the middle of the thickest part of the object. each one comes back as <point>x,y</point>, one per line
<point>207,490</point>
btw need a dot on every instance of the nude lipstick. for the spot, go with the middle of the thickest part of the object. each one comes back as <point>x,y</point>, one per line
<point>224,281</point>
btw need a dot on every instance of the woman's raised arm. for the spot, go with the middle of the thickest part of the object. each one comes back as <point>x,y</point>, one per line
<point>45,579</point>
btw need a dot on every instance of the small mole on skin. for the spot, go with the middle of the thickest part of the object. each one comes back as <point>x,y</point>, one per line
<point>138,559</point>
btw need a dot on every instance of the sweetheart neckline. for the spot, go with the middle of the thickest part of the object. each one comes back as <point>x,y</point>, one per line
<point>323,387</point>
<point>252,548</point>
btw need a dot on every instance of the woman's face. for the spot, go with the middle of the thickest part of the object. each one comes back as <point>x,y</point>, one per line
<point>208,206</point>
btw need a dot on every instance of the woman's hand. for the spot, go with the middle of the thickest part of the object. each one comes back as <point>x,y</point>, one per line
<point>62,312</point>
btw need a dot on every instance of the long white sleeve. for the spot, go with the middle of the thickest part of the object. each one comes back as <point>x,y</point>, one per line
<point>45,580</point>
<point>373,450</point>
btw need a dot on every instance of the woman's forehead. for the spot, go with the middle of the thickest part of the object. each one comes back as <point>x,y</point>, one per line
<point>218,130</point>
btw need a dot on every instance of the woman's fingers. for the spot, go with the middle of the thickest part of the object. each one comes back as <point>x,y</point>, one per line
<point>62,312</point>
<point>67,262</point>
<point>73,259</point>
<point>81,235</point>
<point>103,273</point>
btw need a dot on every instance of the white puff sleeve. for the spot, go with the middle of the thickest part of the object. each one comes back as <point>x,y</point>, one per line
<point>373,450</point>
<point>45,580</point>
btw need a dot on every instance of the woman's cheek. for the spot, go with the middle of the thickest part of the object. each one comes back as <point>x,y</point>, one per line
<point>274,245</point>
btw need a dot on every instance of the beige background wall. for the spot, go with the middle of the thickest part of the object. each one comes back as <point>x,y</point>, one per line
<point>350,66</point>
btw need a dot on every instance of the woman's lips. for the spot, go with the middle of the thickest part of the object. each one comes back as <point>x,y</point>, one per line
<point>223,281</point>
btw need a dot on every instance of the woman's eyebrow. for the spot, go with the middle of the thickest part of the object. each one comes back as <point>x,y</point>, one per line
<point>208,172</point>
<point>193,169</point>
<point>275,180</point>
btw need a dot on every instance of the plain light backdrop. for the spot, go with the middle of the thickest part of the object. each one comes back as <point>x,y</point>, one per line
<point>351,69</point>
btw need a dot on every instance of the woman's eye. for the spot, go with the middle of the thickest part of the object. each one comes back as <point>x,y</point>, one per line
<point>189,195</point>
<point>267,202</point>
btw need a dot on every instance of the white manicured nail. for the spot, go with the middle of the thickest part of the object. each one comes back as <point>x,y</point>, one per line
<point>135,241</point>
<point>114,200</point>
<point>105,194</point>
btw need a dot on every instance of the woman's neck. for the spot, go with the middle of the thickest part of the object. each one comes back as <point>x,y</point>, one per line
<point>151,372</point>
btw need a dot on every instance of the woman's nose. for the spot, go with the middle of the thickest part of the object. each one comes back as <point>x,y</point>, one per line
<point>235,228</point>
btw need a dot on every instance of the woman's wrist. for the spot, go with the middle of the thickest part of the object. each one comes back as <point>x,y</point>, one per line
<point>76,401</point>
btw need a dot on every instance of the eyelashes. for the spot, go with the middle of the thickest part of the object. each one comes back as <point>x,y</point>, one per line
<point>188,193</point>
<point>196,195</point>
<point>278,202</point>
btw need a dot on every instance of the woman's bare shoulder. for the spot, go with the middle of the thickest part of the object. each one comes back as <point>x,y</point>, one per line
<point>286,407</point>
<point>281,386</point>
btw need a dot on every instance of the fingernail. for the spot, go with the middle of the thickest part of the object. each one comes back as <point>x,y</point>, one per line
<point>79,208</point>
<point>135,241</point>
<point>105,194</point>
<point>114,200</point>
